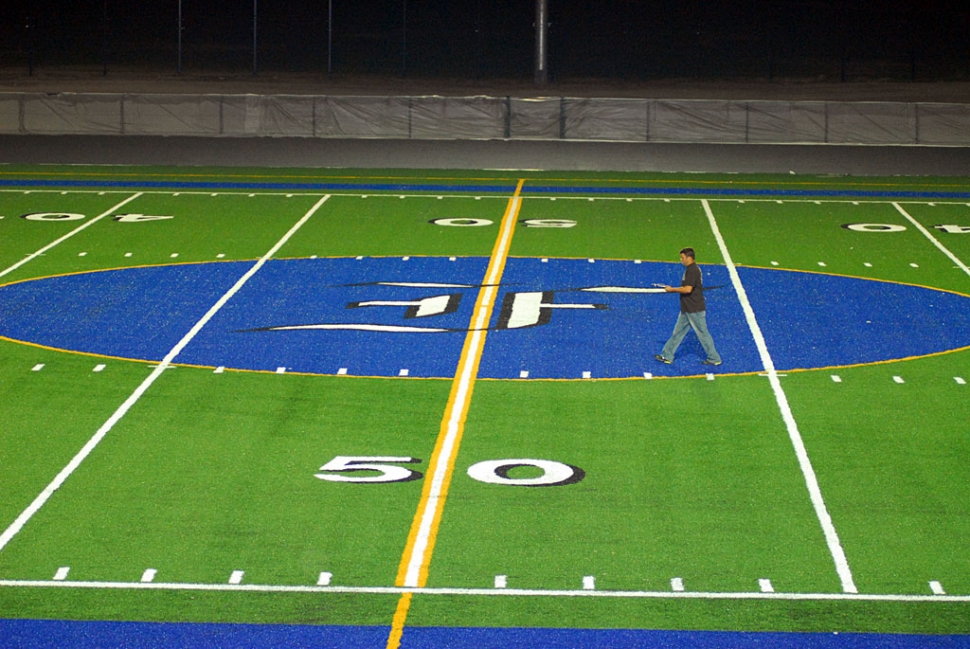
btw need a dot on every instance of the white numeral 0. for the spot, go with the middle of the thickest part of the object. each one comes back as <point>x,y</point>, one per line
<point>52,216</point>
<point>381,464</point>
<point>554,473</point>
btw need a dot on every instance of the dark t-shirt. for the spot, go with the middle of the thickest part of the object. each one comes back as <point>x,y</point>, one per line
<point>693,302</point>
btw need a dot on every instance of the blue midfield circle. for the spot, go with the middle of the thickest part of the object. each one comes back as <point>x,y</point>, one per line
<point>552,319</point>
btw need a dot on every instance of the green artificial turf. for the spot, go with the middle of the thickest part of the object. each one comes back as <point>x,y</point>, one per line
<point>211,473</point>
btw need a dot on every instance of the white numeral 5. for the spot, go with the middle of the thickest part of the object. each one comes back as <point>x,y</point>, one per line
<point>383,465</point>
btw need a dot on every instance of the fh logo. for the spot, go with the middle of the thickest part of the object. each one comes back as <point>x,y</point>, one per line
<point>519,309</point>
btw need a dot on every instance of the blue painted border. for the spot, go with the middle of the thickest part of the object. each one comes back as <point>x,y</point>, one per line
<point>64,634</point>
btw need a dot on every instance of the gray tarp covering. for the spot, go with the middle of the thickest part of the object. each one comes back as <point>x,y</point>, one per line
<point>171,114</point>
<point>605,119</point>
<point>71,113</point>
<point>484,118</point>
<point>457,118</point>
<point>785,122</point>
<point>697,121</point>
<point>353,117</point>
<point>267,115</point>
<point>871,123</point>
<point>943,123</point>
<point>10,113</point>
<point>535,119</point>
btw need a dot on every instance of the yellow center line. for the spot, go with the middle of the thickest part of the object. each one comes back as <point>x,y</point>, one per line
<point>413,570</point>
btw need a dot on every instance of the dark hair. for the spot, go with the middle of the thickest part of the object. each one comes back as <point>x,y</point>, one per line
<point>689,252</point>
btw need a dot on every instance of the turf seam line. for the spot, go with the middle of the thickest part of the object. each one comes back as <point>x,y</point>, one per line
<point>135,396</point>
<point>67,236</point>
<point>804,462</point>
<point>477,592</point>
<point>933,240</point>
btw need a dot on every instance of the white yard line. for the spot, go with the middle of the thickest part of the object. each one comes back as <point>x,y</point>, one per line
<point>479,592</point>
<point>811,481</point>
<point>933,240</point>
<point>92,443</point>
<point>67,236</point>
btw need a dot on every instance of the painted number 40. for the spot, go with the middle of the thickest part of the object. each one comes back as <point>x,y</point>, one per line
<point>385,469</point>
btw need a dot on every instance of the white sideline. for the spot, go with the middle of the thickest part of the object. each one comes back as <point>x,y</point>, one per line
<point>478,592</point>
<point>67,236</point>
<point>72,466</point>
<point>933,240</point>
<point>811,481</point>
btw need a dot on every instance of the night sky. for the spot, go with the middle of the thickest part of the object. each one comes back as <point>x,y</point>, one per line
<point>622,39</point>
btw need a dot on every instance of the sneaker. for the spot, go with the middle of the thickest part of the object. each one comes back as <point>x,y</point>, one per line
<point>665,361</point>
<point>710,362</point>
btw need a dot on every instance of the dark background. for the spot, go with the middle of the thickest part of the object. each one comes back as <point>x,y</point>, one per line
<point>838,40</point>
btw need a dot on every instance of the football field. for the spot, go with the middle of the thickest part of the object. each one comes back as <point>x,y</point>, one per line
<point>422,408</point>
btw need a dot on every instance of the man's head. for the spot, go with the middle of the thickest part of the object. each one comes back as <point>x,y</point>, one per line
<point>687,256</point>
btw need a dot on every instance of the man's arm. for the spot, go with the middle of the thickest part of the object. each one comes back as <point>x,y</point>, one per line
<point>686,290</point>
<point>692,277</point>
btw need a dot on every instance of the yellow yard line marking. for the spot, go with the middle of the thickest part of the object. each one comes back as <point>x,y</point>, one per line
<point>400,618</point>
<point>413,571</point>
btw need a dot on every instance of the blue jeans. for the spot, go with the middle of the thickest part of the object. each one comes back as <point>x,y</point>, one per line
<point>697,322</point>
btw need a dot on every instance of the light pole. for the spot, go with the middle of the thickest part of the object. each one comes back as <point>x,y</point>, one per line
<point>542,24</point>
<point>104,40</point>
<point>255,24</point>
<point>178,65</point>
<point>29,30</point>
<point>404,39</point>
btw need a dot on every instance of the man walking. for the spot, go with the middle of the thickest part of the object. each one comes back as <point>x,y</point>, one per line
<point>693,312</point>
